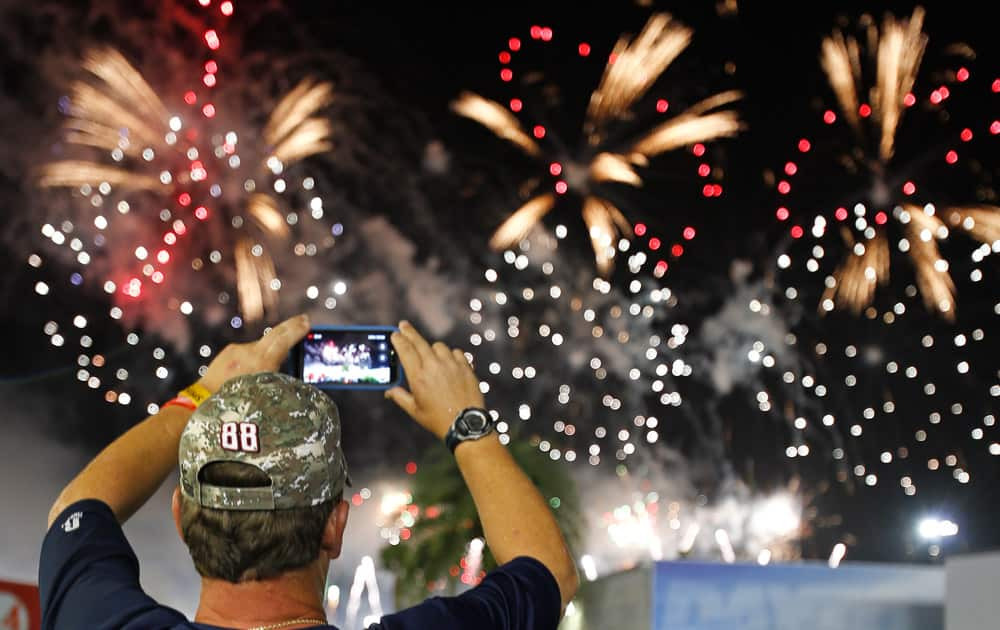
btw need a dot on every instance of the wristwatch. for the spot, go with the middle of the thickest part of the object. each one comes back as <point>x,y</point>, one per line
<point>472,423</point>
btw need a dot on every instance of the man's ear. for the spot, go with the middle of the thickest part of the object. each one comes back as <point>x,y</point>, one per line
<point>333,533</point>
<point>175,508</point>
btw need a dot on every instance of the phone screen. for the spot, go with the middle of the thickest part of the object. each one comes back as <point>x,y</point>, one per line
<point>349,357</point>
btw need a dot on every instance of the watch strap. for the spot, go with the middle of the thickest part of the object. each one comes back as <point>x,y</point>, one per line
<point>451,439</point>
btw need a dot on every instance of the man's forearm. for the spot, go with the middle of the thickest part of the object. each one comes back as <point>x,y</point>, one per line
<point>516,519</point>
<point>129,470</point>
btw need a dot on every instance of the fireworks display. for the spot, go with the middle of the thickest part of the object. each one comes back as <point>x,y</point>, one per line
<point>732,416</point>
<point>181,201</point>
<point>900,387</point>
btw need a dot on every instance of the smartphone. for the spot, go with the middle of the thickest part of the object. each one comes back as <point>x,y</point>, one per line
<point>347,357</point>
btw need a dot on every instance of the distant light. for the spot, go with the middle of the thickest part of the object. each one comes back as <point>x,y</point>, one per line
<point>333,596</point>
<point>589,567</point>
<point>212,39</point>
<point>725,546</point>
<point>583,49</point>
<point>934,529</point>
<point>838,553</point>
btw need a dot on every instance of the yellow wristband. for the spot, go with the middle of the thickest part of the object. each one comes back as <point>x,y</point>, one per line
<point>195,393</point>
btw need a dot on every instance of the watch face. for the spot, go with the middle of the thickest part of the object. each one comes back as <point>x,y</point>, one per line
<point>475,421</point>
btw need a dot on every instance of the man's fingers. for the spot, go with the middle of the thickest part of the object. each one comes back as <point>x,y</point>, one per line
<point>403,399</point>
<point>416,340</point>
<point>408,355</point>
<point>276,344</point>
<point>441,351</point>
<point>465,368</point>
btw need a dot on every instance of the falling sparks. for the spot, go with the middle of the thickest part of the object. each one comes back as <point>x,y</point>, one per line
<point>633,68</point>
<point>535,305</point>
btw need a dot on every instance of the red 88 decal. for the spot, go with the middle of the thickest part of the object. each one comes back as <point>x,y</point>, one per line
<point>240,436</point>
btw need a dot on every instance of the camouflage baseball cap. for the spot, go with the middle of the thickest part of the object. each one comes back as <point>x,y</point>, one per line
<point>284,427</point>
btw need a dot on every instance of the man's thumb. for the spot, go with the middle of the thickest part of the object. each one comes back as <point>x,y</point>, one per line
<point>403,399</point>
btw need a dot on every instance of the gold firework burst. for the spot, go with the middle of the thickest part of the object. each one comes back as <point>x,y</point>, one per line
<point>633,68</point>
<point>896,52</point>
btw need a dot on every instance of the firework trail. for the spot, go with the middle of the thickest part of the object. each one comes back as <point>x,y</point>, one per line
<point>634,66</point>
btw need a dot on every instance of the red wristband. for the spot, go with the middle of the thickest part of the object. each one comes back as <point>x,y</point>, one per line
<point>181,402</point>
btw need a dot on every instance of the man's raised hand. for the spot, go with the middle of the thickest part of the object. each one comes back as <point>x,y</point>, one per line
<point>264,355</point>
<point>441,381</point>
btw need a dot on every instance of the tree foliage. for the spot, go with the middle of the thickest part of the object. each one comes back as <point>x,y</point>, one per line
<point>428,563</point>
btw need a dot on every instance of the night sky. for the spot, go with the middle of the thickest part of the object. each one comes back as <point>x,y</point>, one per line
<point>418,57</point>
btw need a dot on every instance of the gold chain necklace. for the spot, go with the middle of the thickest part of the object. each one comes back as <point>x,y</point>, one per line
<point>292,622</point>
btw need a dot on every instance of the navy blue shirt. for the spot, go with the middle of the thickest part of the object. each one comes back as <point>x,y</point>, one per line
<point>88,579</point>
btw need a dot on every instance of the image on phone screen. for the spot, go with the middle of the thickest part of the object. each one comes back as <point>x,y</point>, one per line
<point>348,358</point>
